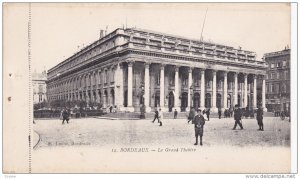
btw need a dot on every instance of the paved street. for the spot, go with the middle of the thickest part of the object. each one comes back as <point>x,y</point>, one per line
<point>95,145</point>
<point>99,132</point>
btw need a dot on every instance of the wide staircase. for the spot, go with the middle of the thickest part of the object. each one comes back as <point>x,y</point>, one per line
<point>136,115</point>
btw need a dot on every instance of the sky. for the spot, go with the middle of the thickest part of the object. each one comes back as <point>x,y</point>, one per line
<point>58,29</point>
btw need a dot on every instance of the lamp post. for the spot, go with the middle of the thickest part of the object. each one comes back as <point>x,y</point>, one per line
<point>191,91</point>
<point>142,109</point>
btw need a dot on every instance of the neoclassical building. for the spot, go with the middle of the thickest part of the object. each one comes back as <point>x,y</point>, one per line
<point>129,67</point>
<point>39,87</point>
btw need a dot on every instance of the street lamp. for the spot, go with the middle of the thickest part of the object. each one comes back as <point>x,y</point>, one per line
<point>191,93</point>
<point>142,108</point>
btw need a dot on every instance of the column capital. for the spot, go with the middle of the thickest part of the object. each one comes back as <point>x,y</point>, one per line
<point>214,72</point>
<point>176,68</point>
<point>202,71</point>
<point>130,63</point>
<point>162,66</point>
<point>191,69</point>
<point>225,73</point>
<point>113,66</point>
<point>254,76</point>
<point>147,64</point>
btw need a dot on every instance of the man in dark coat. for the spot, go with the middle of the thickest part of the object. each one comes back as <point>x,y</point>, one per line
<point>259,118</point>
<point>175,114</point>
<point>219,113</point>
<point>208,113</point>
<point>65,115</point>
<point>156,116</point>
<point>199,122</point>
<point>237,117</point>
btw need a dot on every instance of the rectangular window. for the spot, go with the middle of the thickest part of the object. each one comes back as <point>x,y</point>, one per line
<point>272,65</point>
<point>283,63</point>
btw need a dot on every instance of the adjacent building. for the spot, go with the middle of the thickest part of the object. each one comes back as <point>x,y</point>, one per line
<point>39,87</point>
<point>131,67</point>
<point>278,80</point>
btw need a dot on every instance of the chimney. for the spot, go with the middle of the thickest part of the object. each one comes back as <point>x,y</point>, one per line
<point>101,33</point>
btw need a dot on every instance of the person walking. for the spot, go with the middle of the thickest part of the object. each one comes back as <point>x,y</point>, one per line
<point>237,117</point>
<point>259,118</point>
<point>191,115</point>
<point>204,115</point>
<point>231,111</point>
<point>65,116</point>
<point>198,125</point>
<point>156,116</point>
<point>175,114</point>
<point>219,113</point>
<point>208,113</point>
<point>160,117</point>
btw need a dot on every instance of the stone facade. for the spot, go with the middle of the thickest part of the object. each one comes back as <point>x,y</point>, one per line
<point>278,80</point>
<point>129,67</point>
<point>39,87</point>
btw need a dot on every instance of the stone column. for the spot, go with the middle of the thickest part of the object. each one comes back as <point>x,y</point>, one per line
<point>162,87</point>
<point>263,95</point>
<point>254,92</point>
<point>214,92</point>
<point>245,89</point>
<point>202,92</point>
<point>97,82</point>
<point>235,89</point>
<point>120,78</point>
<point>225,91</point>
<point>176,90</point>
<point>190,83</point>
<point>129,86</point>
<point>147,88</point>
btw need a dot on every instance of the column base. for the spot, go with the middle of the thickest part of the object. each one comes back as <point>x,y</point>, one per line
<point>265,109</point>
<point>127,109</point>
<point>213,109</point>
<point>187,109</point>
<point>202,108</point>
<point>163,109</point>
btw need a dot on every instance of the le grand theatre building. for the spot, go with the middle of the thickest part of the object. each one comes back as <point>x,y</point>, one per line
<point>130,67</point>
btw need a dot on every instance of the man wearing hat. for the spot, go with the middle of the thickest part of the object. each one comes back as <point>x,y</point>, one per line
<point>199,122</point>
<point>259,118</point>
<point>237,117</point>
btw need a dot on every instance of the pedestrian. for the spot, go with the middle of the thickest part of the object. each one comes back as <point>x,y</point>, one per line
<point>237,117</point>
<point>155,116</point>
<point>198,124</point>
<point>65,116</point>
<point>160,117</point>
<point>175,114</point>
<point>219,113</point>
<point>110,109</point>
<point>208,113</point>
<point>191,115</point>
<point>259,118</point>
<point>204,114</point>
<point>231,111</point>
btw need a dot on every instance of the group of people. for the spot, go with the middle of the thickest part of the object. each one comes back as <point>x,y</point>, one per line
<point>192,114</point>
<point>227,113</point>
<point>199,121</point>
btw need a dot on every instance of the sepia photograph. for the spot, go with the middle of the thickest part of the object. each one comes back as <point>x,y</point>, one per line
<point>148,88</point>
